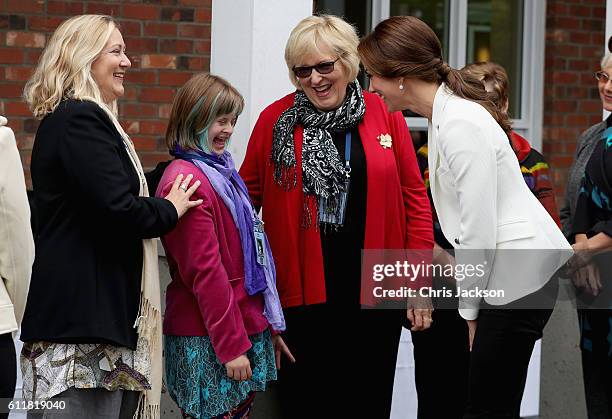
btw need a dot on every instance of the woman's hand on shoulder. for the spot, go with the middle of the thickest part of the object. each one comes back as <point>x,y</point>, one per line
<point>239,368</point>
<point>180,193</point>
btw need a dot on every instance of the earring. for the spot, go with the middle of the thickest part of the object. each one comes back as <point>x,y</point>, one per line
<point>401,86</point>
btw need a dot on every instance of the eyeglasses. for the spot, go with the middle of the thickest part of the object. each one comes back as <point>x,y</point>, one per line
<point>602,76</point>
<point>322,68</point>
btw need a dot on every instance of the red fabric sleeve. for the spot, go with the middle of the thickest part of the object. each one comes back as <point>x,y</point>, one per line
<point>419,225</point>
<point>252,169</point>
<point>194,246</point>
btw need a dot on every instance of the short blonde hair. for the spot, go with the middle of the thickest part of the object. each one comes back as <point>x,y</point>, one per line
<point>64,68</point>
<point>606,60</point>
<point>197,104</point>
<point>330,31</point>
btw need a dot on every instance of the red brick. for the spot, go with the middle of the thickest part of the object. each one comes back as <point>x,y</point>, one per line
<point>590,107</point>
<point>141,45</point>
<point>131,127</point>
<point>582,11</point>
<point>35,6</point>
<point>160,29</point>
<point>568,51</point>
<point>130,28</point>
<point>11,90</point>
<point>25,39</point>
<point>565,77</point>
<point>152,127</point>
<point>130,94</point>
<point>140,11</point>
<point>33,56</point>
<point>24,142</point>
<point>194,31</point>
<point>591,51</point>
<point>577,92</point>
<point>64,8</point>
<point>44,23</point>
<point>14,73</point>
<point>556,8</point>
<point>578,65</point>
<point>561,161</point>
<point>158,61</point>
<point>16,109</point>
<point>593,24</point>
<point>102,8</point>
<point>11,56</point>
<point>145,143</point>
<point>132,110</point>
<point>157,95</point>
<point>199,3</point>
<point>569,22</point>
<point>599,12</point>
<point>150,160</point>
<point>565,106</point>
<point>202,47</point>
<point>579,37</point>
<point>141,77</point>
<point>165,110</point>
<point>203,15</point>
<point>194,63</point>
<point>577,120</point>
<point>174,78</point>
<point>177,46</point>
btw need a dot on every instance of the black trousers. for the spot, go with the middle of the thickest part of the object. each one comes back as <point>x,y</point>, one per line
<point>8,374</point>
<point>442,358</point>
<point>345,362</point>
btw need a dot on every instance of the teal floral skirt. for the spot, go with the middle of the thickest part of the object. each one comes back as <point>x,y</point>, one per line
<point>198,382</point>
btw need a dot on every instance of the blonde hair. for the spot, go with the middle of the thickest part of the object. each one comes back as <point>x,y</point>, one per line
<point>606,60</point>
<point>315,32</point>
<point>64,68</point>
<point>196,105</point>
<point>493,75</point>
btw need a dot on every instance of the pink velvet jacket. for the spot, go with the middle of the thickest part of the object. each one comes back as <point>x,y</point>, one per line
<point>207,295</point>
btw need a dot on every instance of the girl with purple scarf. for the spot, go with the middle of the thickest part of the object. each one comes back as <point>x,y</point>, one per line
<point>223,312</point>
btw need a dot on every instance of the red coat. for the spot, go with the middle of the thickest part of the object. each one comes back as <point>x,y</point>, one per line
<point>398,215</point>
<point>207,294</point>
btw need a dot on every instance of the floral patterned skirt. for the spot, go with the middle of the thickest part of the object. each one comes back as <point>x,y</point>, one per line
<point>198,382</point>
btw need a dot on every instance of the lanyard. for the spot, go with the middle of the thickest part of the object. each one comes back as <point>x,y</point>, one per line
<point>347,153</point>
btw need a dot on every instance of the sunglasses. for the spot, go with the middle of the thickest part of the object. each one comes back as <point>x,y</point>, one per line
<point>322,68</point>
<point>602,76</point>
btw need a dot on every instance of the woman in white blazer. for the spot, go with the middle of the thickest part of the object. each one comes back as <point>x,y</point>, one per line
<point>483,206</point>
<point>16,257</point>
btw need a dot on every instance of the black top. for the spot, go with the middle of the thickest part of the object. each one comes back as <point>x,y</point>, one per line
<point>86,277</point>
<point>342,248</point>
<point>594,206</point>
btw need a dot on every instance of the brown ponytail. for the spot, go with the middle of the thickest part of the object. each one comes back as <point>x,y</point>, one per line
<point>404,46</point>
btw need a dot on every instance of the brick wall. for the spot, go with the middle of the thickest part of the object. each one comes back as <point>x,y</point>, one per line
<point>574,46</point>
<point>167,41</point>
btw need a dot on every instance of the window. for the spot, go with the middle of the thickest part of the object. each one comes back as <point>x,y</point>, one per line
<point>509,32</point>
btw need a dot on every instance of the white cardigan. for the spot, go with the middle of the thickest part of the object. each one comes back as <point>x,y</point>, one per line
<point>16,242</point>
<point>484,205</point>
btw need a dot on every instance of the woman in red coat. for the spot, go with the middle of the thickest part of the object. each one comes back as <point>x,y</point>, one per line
<point>302,150</point>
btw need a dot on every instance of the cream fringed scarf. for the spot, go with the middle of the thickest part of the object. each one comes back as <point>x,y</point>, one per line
<point>148,322</point>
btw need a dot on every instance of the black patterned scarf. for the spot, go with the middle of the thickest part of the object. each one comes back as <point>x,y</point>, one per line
<point>323,171</point>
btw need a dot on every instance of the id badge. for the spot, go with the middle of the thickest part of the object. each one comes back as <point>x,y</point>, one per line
<point>258,232</point>
<point>332,210</point>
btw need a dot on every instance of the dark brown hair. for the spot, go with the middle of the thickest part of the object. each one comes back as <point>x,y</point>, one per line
<point>202,99</point>
<point>404,46</point>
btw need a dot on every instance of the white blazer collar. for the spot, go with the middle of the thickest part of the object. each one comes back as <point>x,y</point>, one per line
<point>442,95</point>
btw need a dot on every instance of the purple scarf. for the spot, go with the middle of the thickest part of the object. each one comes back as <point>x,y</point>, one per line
<point>227,183</point>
